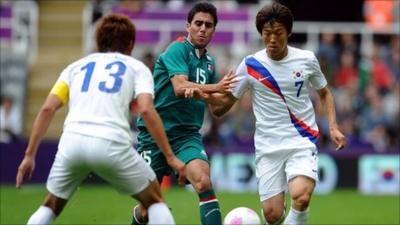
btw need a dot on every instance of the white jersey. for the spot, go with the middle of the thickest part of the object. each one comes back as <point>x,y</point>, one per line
<point>101,87</point>
<point>284,113</point>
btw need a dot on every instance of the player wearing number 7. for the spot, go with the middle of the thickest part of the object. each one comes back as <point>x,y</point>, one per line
<point>286,132</point>
<point>96,137</point>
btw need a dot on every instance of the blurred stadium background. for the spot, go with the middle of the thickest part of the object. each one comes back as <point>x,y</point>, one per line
<point>357,43</point>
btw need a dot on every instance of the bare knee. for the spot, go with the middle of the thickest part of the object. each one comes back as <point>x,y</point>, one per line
<point>301,200</point>
<point>202,184</point>
<point>273,214</point>
<point>301,189</point>
<point>274,208</point>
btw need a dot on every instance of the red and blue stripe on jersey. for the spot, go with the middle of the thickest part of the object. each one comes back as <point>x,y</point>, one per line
<point>260,73</point>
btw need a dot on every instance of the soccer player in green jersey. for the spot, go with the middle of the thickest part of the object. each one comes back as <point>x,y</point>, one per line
<point>181,69</point>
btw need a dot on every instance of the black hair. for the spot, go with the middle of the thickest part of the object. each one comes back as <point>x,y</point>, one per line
<point>275,12</point>
<point>205,7</point>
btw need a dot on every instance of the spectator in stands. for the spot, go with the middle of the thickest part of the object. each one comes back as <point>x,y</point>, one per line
<point>10,125</point>
<point>392,113</point>
<point>348,42</point>
<point>391,56</point>
<point>328,47</point>
<point>380,73</point>
<point>328,55</point>
<point>373,120</point>
<point>347,73</point>
<point>149,60</point>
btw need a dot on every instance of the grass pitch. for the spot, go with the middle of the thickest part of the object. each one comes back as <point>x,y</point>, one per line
<point>102,205</point>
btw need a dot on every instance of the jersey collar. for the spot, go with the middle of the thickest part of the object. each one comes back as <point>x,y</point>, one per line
<point>196,50</point>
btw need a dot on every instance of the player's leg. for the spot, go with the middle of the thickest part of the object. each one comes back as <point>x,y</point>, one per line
<point>190,150</point>
<point>300,189</point>
<point>151,199</point>
<point>272,185</point>
<point>125,169</point>
<point>302,174</point>
<point>140,214</point>
<point>198,173</point>
<point>65,176</point>
<point>48,212</point>
<point>155,159</point>
<point>274,209</point>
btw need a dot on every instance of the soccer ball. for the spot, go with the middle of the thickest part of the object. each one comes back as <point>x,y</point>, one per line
<point>242,216</point>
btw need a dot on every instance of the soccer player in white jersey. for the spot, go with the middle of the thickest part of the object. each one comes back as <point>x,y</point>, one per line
<point>96,137</point>
<point>286,131</point>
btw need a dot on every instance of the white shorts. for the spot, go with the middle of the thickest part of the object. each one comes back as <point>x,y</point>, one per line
<point>117,163</point>
<point>274,170</point>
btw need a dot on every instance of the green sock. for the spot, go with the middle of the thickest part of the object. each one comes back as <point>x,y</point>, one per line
<point>209,209</point>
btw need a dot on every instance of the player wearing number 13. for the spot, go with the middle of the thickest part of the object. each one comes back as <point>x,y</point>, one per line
<point>286,131</point>
<point>96,136</point>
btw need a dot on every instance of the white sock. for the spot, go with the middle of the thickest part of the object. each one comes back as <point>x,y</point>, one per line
<point>44,215</point>
<point>160,214</point>
<point>296,217</point>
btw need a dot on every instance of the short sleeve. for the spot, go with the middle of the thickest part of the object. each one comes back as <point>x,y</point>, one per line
<point>65,76</point>
<point>317,78</point>
<point>242,78</point>
<point>144,81</point>
<point>175,59</point>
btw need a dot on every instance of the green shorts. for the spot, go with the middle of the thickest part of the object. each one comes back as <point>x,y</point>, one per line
<point>186,148</point>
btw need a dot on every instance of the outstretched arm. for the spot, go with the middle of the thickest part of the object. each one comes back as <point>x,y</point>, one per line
<point>180,83</point>
<point>219,103</point>
<point>40,126</point>
<point>156,129</point>
<point>328,104</point>
<point>224,103</point>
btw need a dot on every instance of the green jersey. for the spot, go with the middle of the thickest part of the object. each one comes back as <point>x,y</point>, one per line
<point>180,115</point>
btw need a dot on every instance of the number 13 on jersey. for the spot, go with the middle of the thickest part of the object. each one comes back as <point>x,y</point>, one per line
<point>116,86</point>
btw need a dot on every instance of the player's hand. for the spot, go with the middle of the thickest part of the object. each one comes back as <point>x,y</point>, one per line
<point>228,82</point>
<point>26,167</point>
<point>338,138</point>
<point>196,93</point>
<point>190,92</point>
<point>180,167</point>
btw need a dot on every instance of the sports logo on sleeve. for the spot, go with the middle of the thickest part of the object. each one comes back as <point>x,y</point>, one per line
<point>260,73</point>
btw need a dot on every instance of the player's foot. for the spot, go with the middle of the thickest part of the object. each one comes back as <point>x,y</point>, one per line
<point>137,216</point>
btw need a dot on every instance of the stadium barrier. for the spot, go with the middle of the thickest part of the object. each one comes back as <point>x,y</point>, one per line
<point>233,168</point>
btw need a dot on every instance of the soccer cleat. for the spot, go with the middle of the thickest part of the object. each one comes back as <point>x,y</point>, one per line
<point>137,216</point>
